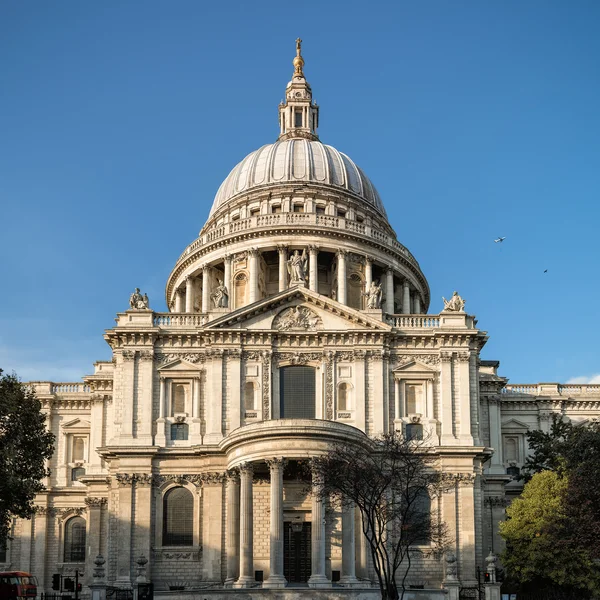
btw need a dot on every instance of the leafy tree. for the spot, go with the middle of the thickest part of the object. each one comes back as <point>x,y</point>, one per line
<point>392,481</point>
<point>25,444</point>
<point>540,551</point>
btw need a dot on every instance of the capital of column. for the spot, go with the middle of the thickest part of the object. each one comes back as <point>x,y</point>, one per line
<point>276,463</point>
<point>406,284</point>
<point>313,250</point>
<point>253,252</point>
<point>232,475</point>
<point>246,469</point>
<point>282,248</point>
<point>188,279</point>
<point>341,253</point>
<point>368,260</point>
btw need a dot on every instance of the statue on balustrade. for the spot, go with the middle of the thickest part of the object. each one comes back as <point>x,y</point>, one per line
<point>374,295</point>
<point>455,304</point>
<point>220,296</point>
<point>139,302</point>
<point>297,267</point>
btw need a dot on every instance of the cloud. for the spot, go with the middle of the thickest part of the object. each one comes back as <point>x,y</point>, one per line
<point>583,379</point>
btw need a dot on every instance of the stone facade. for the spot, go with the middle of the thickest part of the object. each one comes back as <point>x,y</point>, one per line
<point>297,273</point>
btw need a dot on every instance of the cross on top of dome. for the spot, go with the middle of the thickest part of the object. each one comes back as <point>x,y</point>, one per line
<point>298,115</point>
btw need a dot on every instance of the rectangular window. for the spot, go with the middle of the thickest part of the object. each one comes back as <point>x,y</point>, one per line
<point>320,210</point>
<point>78,449</point>
<point>297,392</point>
<point>298,118</point>
<point>413,398</point>
<point>298,208</point>
<point>276,209</point>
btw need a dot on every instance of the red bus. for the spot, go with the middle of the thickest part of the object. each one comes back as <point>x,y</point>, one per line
<point>17,584</point>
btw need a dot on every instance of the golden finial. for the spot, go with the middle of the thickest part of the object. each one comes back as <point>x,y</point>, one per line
<point>298,60</point>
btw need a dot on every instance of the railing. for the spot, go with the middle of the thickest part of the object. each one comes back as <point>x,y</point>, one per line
<point>179,319</point>
<point>413,321</point>
<point>70,388</point>
<point>290,219</point>
<point>547,389</point>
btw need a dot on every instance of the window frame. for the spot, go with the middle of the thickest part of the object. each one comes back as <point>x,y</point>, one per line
<point>67,530</point>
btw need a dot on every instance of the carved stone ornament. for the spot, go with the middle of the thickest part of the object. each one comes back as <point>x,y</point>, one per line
<point>180,419</point>
<point>463,479</point>
<point>131,478</point>
<point>128,355</point>
<point>451,566</point>
<point>195,357</point>
<point>139,302</point>
<point>95,502</point>
<point>297,358</point>
<point>297,318</point>
<point>455,304</point>
<point>197,479</point>
<point>65,513</point>
<point>329,360</point>
<point>426,359</point>
<point>146,355</point>
<point>266,382</point>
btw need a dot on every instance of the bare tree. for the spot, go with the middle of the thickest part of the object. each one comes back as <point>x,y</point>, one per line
<point>392,481</point>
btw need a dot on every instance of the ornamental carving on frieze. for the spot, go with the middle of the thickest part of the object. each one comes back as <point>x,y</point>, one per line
<point>146,355</point>
<point>329,360</point>
<point>297,318</point>
<point>265,356</point>
<point>191,357</point>
<point>95,502</point>
<point>426,359</point>
<point>128,355</point>
<point>297,358</point>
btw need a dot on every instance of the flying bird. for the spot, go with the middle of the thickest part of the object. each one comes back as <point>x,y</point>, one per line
<point>500,239</point>
<point>545,270</point>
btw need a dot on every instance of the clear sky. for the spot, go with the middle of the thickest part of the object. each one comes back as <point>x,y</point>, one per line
<point>119,120</point>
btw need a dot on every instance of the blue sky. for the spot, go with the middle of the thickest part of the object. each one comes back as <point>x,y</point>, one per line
<point>119,120</point>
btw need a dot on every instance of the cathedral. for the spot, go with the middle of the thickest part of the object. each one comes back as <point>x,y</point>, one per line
<point>297,320</point>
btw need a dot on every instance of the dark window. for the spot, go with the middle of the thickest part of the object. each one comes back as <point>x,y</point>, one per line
<point>178,518</point>
<point>320,210</point>
<point>276,209</point>
<point>341,212</point>
<point>414,431</point>
<point>3,551</point>
<point>297,392</point>
<point>513,471</point>
<point>298,118</point>
<point>77,473</point>
<point>298,208</point>
<point>179,431</point>
<point>75,540</point>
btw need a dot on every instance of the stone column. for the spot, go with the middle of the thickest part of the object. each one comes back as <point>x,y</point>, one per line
<point>341,277</point>
<point>234,374</point>
<point>417,303</point>
<point>406,297</point>
<point>253,264</point>
<point>96,437</point>
<point>212,530</point>
<point>123,545</point>
<point>389,292</point>
<point>179,301</point>
<point>145,397</point>
<point>368,272</point>
<point>283,275</point>
<point>464,399</point>
<point>40,550</point>
<point>313,253</point>
<point>496,464</point>
<point>143,518</point>
<point>93,541</point>
<point>246,578</point>
<point>189,294</point>
<point>205,289</point>
<point>348,577</point>
<point>318,579</point>
<point>214,407</point>
<point>233,527</point>
<point>227,278</point>
<point>160,438</point>
<point>446,400</point>
<point>276,577</point>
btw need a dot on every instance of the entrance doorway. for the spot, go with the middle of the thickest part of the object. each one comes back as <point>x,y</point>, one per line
<point>296,551</point>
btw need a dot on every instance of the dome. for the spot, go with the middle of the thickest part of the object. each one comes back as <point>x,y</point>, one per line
<point>295,161</point>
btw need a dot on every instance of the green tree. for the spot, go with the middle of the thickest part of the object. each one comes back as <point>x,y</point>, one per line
<point>25,444</point>
<point>540,548</point>
<point>391,480</point>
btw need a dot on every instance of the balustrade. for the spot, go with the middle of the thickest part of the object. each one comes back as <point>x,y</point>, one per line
<point>179,320</point>
<point>414,321</point>
<point>70,388</point>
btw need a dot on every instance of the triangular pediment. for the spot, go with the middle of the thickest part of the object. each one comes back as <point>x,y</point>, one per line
<point>76,424</point>
<point>298,310</point>
<point>179,364</point>
<point>515,424</point>
<point>414,366</point>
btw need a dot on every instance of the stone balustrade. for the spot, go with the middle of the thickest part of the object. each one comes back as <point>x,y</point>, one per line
<point>258,222</point>
<point>549,389</point>
<point>179,319</point>
<point>413,321</point>
<point>67,387</point>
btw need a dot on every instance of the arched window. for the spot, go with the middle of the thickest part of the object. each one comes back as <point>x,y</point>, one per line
<point>355,291</point>
<point>75,540</point>
<point>418,516</point>
<point>344,400</point>
<point>179,431</point>
<point>249,403</point>
<point>178,518</point>
<point>297,392</point>
<point>240,287</point>
<point>414,431</point>
<point>179,395</point>
<point>78,448</point>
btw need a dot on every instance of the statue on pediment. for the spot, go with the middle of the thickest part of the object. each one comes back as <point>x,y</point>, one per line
<point>220,296</point>
<point>374,295</point>
<point>296,266</point>
<point>139,302</point>
<point>297,318</point>
<point>455,304</point>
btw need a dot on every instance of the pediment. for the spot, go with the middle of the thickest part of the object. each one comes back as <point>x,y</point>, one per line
<point>515,424</point>
<point>414,370</point>
<point>76,424</point>
<point>297,310</point>
<point>179,364</point>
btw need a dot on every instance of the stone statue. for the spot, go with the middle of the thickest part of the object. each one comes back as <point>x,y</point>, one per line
<point>455,304</point>
<point>451,566</point>
<point>297,317</point>
<point>374,294</point>
<point>139,302</point>
<point>220,296</point>
<point>296,266</point>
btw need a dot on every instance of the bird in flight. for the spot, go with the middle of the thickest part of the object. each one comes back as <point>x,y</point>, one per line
<point>500,239</point>
<point>546,270</point>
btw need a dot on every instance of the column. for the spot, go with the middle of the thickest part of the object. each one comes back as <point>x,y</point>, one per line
<point>253,263</point>
<point>214,407</point>
<point>389,292</point>
<point>161,439</point>
<point>417,303</point>
<point>189,294</point>
<point>368,272</point>
<point>93,541</point>
<point>496,466</point>
<point>313,253</point>
<point>246,578</point>
<point>283,275</point>
<point>276,577</point>
<point>464,399</point>
<point>179,301</point>
<point>360,396</point>
<point>196,430</point>
<point>446,400</point>
<point>406,297</point>
<point>96,441</point>
<point>232,547</point>
<point>205,289</point>
<point>398,408</point>
<point>234,364</point>
<point>341,276</point>
<point>348,576</point>
<point>145,395</point>
<point>124,529</point>
<point>227,277</point>
<point>212,531</point>
<point>143,519</point>
<point>318,579</point>
<point>39,550</point>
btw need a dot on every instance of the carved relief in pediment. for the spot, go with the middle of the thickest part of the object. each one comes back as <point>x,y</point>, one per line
<point>297,318</point>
